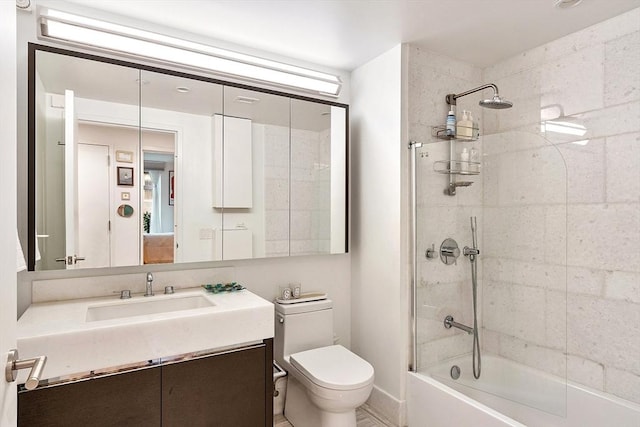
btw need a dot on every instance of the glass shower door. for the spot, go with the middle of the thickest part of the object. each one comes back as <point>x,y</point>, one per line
<point>519,200</point>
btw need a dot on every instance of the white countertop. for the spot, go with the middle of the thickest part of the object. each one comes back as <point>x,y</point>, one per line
<point>60,331</point>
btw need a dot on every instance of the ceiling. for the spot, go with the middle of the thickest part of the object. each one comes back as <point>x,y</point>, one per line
<point>344,34</point>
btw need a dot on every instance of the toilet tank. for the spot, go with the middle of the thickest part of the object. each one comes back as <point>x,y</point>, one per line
<point>302,326</point>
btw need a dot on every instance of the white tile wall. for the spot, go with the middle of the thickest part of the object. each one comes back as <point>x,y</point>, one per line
<point>590,373</point>
<point>298,206</point>
<point>443,289</point>
<point>623,168</point>
<point>573,312</point>
<point>622,80</point>
<point>591,75</point>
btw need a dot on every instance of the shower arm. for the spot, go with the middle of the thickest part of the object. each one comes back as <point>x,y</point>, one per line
<point>451,98</point>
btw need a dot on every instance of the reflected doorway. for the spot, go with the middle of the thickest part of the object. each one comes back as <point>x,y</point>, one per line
<point>158,198</point>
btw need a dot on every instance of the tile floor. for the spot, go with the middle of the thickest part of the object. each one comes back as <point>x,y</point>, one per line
<point>363,416</point>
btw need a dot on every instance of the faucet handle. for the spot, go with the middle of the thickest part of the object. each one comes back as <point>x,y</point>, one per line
<point>169,290</point>
<point>124,294</point>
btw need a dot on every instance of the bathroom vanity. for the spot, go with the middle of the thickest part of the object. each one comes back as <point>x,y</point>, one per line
<point>190,358</point>
<point>231,388</point>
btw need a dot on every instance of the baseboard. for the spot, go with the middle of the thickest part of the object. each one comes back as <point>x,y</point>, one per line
<point>387,407</point>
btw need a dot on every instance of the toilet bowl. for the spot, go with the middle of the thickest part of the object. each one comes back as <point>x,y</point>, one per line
<point>326,382</point>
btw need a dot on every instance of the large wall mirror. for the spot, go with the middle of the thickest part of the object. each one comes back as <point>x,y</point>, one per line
<point>208,171</point>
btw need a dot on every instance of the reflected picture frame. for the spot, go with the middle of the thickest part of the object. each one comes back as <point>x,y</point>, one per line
<point>124,156</point>
<point>125,176</point>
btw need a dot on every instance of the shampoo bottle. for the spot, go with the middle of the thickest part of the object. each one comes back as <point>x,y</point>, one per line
<point>464,127</point>
<point>461,125</point>
<point>451,123</point>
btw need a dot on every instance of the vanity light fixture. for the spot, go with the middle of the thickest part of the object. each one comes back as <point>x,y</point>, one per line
<point>79,30</point>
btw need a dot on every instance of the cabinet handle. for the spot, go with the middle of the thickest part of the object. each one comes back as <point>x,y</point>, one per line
<point>14,364</point>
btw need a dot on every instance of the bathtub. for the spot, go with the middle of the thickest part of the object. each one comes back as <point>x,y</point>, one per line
<point>436,400</point>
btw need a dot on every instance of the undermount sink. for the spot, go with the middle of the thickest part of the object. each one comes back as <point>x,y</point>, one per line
<point>92,334</point>
<point>146,306</point>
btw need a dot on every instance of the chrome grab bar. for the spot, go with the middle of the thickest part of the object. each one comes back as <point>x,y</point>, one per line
<point>14,364</point>
<point>449,322</point>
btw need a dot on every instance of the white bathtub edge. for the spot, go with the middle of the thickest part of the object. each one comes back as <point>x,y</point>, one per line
<point>492,415</point>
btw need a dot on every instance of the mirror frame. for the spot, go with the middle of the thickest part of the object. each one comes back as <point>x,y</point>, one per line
<point>33,48</point>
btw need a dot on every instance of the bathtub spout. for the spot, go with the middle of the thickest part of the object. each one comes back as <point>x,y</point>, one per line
<point>449,322</point>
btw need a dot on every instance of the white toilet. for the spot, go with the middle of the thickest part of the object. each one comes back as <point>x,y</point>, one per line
<point>326,382</point>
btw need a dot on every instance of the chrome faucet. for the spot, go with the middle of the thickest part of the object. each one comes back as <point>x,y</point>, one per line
<point>149,290</point>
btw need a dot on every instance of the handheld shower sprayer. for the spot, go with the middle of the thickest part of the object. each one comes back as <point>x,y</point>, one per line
<point>449,321</point>
<point>474,237</point>
<point>473,251</point>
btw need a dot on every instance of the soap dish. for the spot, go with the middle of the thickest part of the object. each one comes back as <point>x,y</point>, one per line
<point>315,296</point>
<point>227,287</point>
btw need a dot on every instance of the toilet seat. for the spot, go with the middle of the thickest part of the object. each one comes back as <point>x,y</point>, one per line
<point>333,367</point>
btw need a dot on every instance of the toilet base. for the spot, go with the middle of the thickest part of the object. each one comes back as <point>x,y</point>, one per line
<point>301,412</point>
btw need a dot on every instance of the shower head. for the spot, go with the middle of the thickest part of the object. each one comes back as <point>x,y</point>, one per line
<point>496,102</point>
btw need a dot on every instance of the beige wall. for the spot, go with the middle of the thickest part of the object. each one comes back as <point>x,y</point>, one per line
<point>378,288</point>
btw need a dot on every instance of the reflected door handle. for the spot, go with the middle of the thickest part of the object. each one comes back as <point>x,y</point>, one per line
<point>71,259</point>
<point>14,364</point>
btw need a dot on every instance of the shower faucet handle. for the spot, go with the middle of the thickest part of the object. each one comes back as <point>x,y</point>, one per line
<point>431,252</point>
<point>449,251</point>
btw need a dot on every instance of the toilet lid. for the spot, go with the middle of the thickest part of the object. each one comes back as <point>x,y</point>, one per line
<point>333,367</point>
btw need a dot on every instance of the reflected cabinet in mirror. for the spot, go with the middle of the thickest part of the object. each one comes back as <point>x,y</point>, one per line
<point>211,171</point>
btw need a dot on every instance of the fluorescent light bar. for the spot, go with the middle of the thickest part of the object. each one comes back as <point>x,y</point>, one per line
<point>113,37</point>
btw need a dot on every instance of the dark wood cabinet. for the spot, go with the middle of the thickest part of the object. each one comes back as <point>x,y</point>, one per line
<point>127,399</point>
<point>232,388</point>
<point>227,392</point>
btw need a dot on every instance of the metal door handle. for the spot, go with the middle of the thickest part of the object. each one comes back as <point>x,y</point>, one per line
<point>14,364</point>
<point>71,259</point>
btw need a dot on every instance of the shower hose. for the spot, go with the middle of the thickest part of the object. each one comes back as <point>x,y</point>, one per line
<point>477,363</point>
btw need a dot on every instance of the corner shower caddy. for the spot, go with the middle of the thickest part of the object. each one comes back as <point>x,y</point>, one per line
<point>453,167</point>
<point>459,167</point>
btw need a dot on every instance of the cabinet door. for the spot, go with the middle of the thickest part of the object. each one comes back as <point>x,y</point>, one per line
<point>129,399</point>
<point>224,390</point>
<point>233,162</point>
